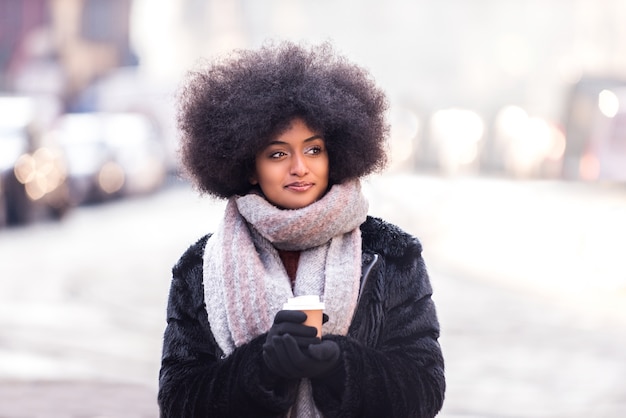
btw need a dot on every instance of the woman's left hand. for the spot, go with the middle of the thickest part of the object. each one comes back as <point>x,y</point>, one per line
<point>284,357</point>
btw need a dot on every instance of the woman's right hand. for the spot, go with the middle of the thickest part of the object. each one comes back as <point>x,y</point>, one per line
<point>290,322</point>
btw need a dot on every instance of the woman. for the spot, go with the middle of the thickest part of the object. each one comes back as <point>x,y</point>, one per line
<point>285,133</point>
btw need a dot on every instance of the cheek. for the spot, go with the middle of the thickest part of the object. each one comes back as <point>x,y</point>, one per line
<point>267,174</point>
<point>325,168</point>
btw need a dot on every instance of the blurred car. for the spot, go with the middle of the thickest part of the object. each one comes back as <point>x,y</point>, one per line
<point>527,146</point>
<point>32,174</point>
<point>110,155</point>
<point>127,89</point>
<point>595,130</point>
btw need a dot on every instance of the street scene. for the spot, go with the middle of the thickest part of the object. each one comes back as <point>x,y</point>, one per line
<point>532,311</point>
<point>507,159</point>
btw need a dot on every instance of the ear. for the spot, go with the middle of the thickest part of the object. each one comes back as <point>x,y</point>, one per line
<point>253,180</point>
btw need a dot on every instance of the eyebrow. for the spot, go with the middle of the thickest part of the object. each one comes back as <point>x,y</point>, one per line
<point>312,138</point>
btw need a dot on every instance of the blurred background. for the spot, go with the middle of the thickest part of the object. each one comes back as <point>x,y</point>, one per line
<point>508,148</point>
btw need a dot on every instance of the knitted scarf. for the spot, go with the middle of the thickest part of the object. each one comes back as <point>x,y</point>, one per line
<point>245,282</point>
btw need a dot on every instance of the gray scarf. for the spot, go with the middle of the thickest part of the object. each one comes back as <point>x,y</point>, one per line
<point>245,282</point>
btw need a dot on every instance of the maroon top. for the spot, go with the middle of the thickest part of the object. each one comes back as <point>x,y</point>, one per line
<point>290,261</point>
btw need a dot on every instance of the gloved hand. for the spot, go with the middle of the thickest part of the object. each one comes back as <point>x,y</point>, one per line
<point>285,357</point>
<point>290,322</point>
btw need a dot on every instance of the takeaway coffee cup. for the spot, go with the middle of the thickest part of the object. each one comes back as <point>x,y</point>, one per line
<point>311,306</point>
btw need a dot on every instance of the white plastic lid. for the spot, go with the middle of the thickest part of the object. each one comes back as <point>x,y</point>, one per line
<point>306,302</point>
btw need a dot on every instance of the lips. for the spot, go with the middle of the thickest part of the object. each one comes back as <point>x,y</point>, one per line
<point>299,186</point>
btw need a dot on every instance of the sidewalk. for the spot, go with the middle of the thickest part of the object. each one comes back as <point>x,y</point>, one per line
<point>76,399</point>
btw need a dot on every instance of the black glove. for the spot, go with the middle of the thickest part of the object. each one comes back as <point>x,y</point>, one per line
<point>284,357</point>
<point>290,322</point>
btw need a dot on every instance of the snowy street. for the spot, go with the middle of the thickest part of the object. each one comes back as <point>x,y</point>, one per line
<point>528,281</point>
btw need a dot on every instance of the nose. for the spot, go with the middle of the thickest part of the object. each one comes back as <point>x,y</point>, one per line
<point>298,166</point>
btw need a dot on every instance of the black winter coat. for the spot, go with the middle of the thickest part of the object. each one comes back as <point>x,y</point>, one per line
<point>393,362</point>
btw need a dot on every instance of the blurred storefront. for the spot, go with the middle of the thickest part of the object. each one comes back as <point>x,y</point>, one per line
<point>59,47</point>
<point>64,60</point>
<point>476,87</point>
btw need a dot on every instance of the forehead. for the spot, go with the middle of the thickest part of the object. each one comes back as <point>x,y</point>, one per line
<point>295,130</point>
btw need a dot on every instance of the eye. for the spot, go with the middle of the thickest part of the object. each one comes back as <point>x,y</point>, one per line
<point>315,150</point>
<point>276,154</point>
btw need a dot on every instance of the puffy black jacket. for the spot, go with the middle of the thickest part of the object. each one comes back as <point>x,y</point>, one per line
<point>393,361</point>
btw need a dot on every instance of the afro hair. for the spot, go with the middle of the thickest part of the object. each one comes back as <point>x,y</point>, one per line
<point>230,109</point>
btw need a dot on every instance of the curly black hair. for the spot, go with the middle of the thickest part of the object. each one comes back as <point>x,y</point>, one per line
<point>230,109</point>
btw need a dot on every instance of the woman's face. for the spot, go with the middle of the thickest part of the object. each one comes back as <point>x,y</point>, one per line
<point>292,170</point>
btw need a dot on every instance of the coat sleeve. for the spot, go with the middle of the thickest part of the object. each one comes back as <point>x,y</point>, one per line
<point>195,380</point>
<point>392,359</point>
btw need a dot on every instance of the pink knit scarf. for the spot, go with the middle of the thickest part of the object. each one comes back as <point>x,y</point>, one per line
<point>245,282</point>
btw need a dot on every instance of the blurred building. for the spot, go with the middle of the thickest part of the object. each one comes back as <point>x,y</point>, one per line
<point>59,47</point>
<point>490,58</point>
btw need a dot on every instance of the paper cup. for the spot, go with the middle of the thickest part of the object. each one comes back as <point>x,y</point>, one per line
<point>311,306</point>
